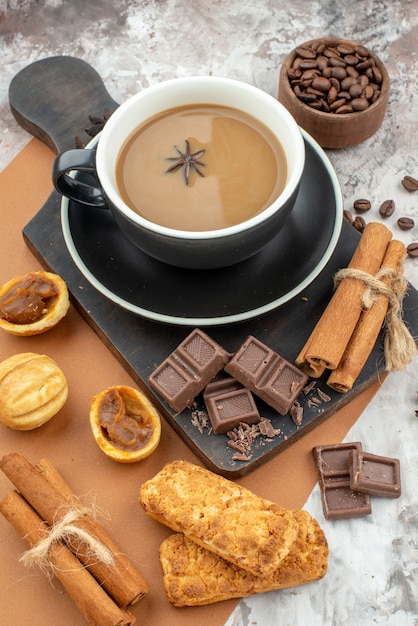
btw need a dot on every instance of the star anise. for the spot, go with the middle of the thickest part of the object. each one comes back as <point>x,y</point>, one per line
<point>187,161</point>
<point>97,124</point>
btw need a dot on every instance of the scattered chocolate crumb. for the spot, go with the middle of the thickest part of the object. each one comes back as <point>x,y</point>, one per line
<point>242,437</point>
<point>241,457</point>
<point>200,420</point>
<point>237,445</point>
<point>311,404</point>
<point>324,396</point>
<point>308,388</point>
<point>296,413</point>
<point>266,428</point>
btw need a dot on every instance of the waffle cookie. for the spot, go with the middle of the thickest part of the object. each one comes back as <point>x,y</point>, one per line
<point>193,576</point>
<point>221,516</point>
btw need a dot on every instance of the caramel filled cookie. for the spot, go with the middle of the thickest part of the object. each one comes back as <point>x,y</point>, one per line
<point>33,303</point>
<point>125,424</point>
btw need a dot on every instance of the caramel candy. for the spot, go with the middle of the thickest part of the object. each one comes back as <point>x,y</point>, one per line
<point>125,424</point>
<point>32,390</point>
<point>33,303</point>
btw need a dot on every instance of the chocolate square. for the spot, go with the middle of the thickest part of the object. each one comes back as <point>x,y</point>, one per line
<point>375,474</point>
<point>188,369</point>
<point>229,403</point>
<point>334,459</point>
<point>267,374</point>
<point>339,501</point>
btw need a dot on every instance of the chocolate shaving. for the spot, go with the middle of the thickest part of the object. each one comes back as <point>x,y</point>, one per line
<point>308,388</point>
<point>242,437</point>
<point>296,413</point>
<point>241,457</point>
<point>324,396</point>
<point>200,420</point>
<point>267,429</point>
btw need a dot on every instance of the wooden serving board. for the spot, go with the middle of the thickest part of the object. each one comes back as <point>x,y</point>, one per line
<point>52,99</point>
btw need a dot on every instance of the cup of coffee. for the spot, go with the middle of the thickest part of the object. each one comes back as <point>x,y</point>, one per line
<point>199,172</point>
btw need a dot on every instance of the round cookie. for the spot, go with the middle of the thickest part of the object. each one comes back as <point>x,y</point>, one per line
<point>32,390</point>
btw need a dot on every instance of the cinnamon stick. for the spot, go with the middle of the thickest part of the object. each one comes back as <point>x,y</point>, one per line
<point>329,339</point>
<point>90,598</point>
<point>368,327</point>
<point>120,579</point>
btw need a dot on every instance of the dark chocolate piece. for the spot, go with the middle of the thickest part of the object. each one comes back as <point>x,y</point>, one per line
<point>228,403</point>
<point>339,500</point>
<point>188,369</point>
<point>374,474</point>
<point>334,459</point>
<point>267,374</point>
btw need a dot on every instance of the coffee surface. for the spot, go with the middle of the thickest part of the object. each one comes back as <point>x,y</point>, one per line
<point>243,168</point>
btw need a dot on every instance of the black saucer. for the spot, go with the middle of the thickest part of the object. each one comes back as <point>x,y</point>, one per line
<point>154,290</point>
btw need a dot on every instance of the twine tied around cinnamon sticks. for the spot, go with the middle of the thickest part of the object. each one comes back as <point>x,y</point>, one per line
<point>64,531</point>
<point>65,537</point>
<point>368,295</point>
<point>399,345</point>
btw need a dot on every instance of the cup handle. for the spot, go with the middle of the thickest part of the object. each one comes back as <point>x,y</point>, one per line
<point>90,194</point>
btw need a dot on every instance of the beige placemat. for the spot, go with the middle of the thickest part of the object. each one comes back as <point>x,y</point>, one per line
<point>27,597</point>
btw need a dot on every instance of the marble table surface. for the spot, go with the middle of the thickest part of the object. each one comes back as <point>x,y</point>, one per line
<point>137,43</point>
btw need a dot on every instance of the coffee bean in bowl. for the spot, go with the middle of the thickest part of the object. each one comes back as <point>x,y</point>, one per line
<point>336,89</point>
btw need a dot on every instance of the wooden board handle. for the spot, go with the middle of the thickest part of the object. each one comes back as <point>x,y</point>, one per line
<point>53,98</point>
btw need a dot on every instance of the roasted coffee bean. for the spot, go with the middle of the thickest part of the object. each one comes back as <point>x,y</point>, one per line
<point>305,53</point>
<point>344,109</point>
<point>342,73</point>
<point>405,223</point>
<point>322,63</point>
<point>347,216</point>
<point>410,184</point>
<point>321,83</point>
<point>351,59</point>
<point>337,62</point>
<point>359,104</point>
<point>361,205</point>
<point>337,104</point>
<point>412,249</point>
<point>355,91</point>
<point>361,50</point>
<point>345,49</point>
<point>359,223</point>
<point>348,82</point>
<point>339,73</point>
<point>387,208</point>
<point>368,92</point>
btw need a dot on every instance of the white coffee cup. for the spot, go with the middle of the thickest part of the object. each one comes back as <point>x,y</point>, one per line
<point>188,249</point>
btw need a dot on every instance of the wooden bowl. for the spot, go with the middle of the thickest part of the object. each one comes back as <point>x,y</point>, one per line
<point>334,130</point>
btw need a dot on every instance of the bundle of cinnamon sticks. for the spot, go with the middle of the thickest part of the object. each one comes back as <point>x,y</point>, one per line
<point>99,578</point>
<point>347,331</point>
